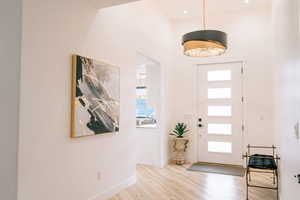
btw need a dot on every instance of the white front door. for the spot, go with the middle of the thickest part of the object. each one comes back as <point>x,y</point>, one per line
<point>220,113</point>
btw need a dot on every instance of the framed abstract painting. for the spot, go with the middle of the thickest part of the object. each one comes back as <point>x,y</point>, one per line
<point>95,97</point>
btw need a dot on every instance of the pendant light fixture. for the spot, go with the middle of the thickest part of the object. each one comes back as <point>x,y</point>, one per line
<point>204,43</point>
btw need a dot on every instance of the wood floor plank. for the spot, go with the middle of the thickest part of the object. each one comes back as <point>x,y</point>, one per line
<point>176,183</point>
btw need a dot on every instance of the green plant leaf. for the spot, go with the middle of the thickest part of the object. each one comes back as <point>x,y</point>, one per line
<point>180,129</point>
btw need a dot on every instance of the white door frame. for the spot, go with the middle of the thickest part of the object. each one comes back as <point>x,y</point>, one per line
<point>243,63</point>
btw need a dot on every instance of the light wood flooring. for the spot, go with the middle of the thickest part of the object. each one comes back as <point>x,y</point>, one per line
<point>176,183</point>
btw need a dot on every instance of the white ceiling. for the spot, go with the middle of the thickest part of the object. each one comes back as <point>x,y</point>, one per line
<point>174,9</point>
<point>109,3</point>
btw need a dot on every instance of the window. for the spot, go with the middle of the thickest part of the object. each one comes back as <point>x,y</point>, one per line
<point>219,111</point>
<point>219,75</point>
<point>145,113</point>
<point>219,129</point>
<point>219,93</point>
<point>219,147</point>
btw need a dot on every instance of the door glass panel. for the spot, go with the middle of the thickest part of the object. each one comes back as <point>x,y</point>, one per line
<point>219,75</point>
<point>220,147</point>
<point>219,129</point>
<point>219,93</point>
<point>219,111</point>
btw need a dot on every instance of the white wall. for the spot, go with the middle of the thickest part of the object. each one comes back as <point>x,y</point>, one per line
<point>53,166</point>
<point>10,41</point>
<point>287,98</point>
<point>249,33</point>
<point>149,146</point>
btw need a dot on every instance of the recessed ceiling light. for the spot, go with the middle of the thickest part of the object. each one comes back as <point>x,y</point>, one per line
<point>247,1</point>
<point>185,12</point>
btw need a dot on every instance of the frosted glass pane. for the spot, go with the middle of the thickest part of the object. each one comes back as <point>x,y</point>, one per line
<point>219,129</point>
<point>219,111</point>
<point>220,147</point>
<point>219,93</point>
<point>219,75</point>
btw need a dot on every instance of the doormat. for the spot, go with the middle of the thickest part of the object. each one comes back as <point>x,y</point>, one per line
<point>218,169</point>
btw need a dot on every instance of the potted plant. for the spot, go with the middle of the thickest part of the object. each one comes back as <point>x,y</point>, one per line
<point>180,143</point>
<point>180,130</point>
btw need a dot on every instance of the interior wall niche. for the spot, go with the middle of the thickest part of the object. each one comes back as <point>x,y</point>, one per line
<point>147,92</point>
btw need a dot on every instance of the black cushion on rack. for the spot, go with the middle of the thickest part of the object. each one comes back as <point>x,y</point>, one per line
<point>261,161</point>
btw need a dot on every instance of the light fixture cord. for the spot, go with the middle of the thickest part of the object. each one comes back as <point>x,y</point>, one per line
<point>204,14</point>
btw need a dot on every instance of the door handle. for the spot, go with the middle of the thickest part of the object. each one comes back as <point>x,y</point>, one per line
<point>200,125</point>
<point>298,177</point>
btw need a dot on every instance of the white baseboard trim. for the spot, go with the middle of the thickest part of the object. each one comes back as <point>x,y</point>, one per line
<point>115,189</point>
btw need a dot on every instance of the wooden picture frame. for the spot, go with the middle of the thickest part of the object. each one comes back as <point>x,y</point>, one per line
<point>95,102</point>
